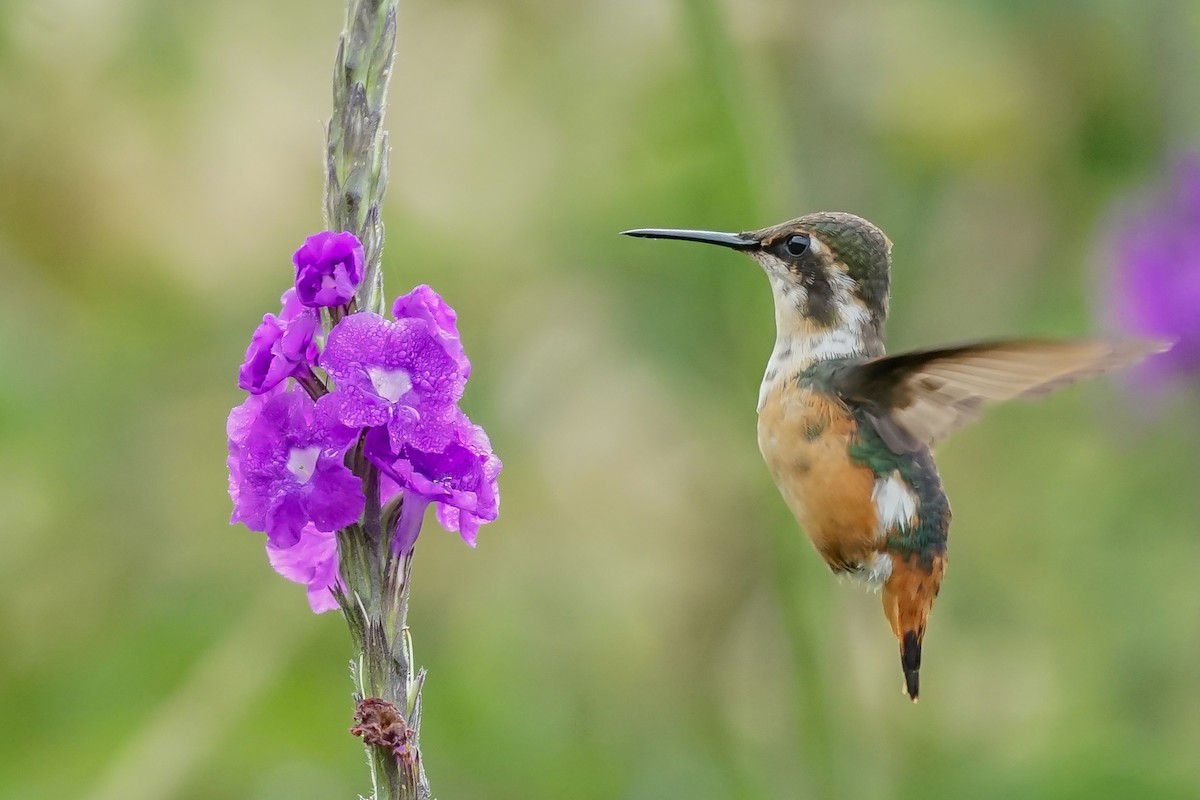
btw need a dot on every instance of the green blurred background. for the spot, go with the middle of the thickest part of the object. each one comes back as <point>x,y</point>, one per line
<point>644,621</point>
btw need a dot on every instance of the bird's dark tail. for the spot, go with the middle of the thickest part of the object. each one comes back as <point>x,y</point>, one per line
<point>910,662</point>
<point>908,596</point>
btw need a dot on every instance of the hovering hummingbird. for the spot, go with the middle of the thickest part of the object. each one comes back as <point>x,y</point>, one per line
<point>846,430</point>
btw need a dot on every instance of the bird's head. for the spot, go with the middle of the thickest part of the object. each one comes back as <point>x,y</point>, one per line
<point>828,269</point>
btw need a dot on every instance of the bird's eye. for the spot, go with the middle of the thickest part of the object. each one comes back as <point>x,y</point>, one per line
<point>796,244</point>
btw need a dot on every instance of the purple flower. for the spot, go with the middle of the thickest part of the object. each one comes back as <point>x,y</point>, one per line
<point>393,374</point>
<point>237,429</point>
<point>1155,287</point>
<point>460,478</point>
<point>313,561</point>
<point>291,306</point>
<point>329,267</point>
<point>426,304</point>
<point>281,347</point>
<point>286,467</point>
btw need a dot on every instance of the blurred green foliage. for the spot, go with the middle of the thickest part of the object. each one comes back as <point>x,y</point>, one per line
<point>644,621</point>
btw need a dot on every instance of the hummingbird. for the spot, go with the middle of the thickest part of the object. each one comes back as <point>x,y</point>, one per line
<point>847,430</point>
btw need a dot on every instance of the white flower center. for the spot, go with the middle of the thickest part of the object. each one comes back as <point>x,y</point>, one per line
<point>390,384</point>
<point>303,462</point>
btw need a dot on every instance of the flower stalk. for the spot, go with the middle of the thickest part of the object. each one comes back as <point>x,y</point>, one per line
<point>375,598</point>
<point>351,427</point>
<point>356,144</point>
<point>387,686</point>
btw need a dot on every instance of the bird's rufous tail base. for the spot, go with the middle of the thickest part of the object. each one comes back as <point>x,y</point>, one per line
<point>908,597</point>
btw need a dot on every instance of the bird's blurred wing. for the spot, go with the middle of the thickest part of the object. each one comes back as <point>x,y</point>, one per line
<point>918,398</point>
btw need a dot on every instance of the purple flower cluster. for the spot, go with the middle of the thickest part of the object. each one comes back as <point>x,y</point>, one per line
<point>1155,286</point>
<point>385,388</point>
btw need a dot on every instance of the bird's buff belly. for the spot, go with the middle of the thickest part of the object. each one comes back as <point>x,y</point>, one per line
<point>805,440</point>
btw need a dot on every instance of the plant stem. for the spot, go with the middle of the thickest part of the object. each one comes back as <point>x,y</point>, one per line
<point>356,143</point>
<point>375,599</point>
<point>375,604</point>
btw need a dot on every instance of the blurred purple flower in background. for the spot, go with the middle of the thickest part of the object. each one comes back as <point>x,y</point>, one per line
<point>329,267</point>
<point>1154,290</point>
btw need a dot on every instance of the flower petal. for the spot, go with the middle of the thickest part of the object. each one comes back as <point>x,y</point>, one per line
<point>335,498</point>
<point>425,304</point>
<point>329,267</point>
<point>313,561</point>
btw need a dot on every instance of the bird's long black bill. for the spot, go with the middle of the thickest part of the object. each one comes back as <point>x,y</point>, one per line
<point>733,240</point>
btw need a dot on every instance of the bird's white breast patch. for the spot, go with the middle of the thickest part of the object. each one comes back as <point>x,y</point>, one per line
<point>895,504</point>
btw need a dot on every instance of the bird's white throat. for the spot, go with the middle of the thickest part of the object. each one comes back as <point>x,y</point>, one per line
<point>799,342</point>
